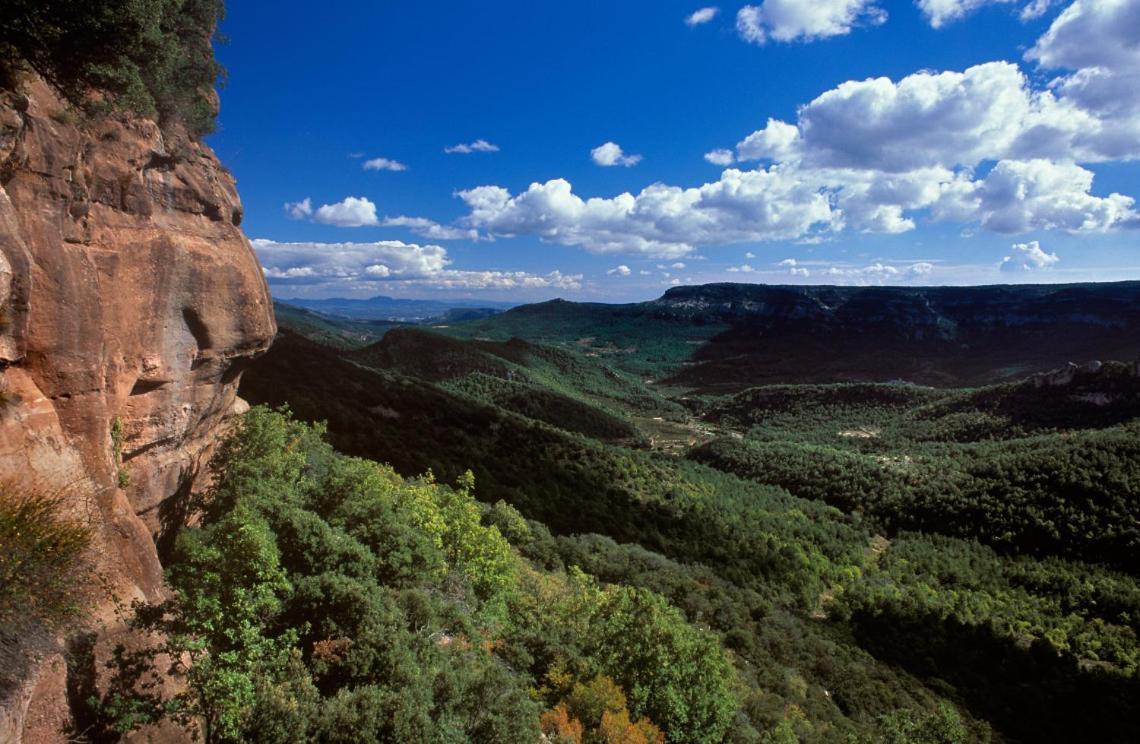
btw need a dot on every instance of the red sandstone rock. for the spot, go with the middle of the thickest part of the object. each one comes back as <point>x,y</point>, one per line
<point>130,294</point>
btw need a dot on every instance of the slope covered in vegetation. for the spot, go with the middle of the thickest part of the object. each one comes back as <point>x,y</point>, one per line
<point>151,57</point>
<point>846,608</point>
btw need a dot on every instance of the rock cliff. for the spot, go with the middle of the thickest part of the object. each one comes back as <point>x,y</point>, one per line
<point>130,301</point>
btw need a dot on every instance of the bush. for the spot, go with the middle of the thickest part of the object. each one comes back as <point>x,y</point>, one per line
<point>41,552</point>
<point>152,57</point>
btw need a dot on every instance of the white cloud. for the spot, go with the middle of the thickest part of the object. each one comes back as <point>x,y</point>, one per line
<point>776,141</point>
<point>430,229</point>
<point>1035,9</point>
<point>610,154</point>
<point>941,12</point>
<point>985,147</point>
<point>799,271</point>
<point>1018,196</point>
<point>750,254</point>
<point>345,266</point>
<point>384,164</point>
<point>299,210</point>
<point>742,269</point>
<point>621,270</point>
<point>674,282</point>
<point>698,17</point>
<point>643,272</point>
<point>806,20</point>
<point>479,145</point>
<point>660,221</point>
<point>788,262</point>
<point>879,273</point>
<point>1028,257</point>
<point>348,260</point>
<point>720,157</point>
<point>679,266</point>
<point>352,211</point>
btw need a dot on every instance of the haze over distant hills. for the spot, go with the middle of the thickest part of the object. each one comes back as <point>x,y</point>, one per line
<point>392,308</point>
<point>730,336</point>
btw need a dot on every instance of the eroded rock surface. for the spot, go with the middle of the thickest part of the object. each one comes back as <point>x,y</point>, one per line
<point>130,301</point>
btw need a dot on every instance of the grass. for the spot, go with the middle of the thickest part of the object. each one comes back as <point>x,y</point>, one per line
<point>40,551</point>
<point>42,565</point>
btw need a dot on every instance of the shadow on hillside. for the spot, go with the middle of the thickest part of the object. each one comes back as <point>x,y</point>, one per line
<point>1029,694</point>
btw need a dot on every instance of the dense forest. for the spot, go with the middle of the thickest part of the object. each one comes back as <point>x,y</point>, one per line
<point>877,561</point>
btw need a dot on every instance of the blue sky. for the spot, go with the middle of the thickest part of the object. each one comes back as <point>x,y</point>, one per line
<point>783,141</point>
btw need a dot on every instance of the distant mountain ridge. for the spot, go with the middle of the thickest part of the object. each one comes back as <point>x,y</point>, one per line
<point>394,308</point>
<point>738,335</point>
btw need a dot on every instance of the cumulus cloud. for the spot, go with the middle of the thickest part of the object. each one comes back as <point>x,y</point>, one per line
<point>742,269</point>
<point>1018,196</point>
<point>804,20</point>
<point>430,229</point>
<point>720,157</point>
<point>610,154</point>
<point>299,210</point>
<point>678,266</point>
<point>987,112</point>
<point>660,221</point>
<point>479,145</point>
<point>346,266</point>
<point>698,17</point>
<point>799,271</point>
<point>984,147</point>
<point>750,254</point>
<point>776,141</point>
<point>621,270</point>
<point>385,164</point>
<point>352,211</point>
<point>1028,257</point>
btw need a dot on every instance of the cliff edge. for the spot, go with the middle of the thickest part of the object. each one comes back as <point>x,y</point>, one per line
<point>130,302</point>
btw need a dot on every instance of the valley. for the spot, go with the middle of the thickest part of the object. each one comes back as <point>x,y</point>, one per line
<point>455,427</point>
<point>860,548</point>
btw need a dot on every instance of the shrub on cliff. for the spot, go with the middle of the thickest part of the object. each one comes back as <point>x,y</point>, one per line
<point>40,551</point>
<point>41,555</point>
<point>152,57</point>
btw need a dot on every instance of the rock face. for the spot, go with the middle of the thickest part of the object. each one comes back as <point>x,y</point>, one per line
<point>130,301</point>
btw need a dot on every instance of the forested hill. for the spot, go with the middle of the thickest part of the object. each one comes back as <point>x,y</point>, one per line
<point>722,337</point>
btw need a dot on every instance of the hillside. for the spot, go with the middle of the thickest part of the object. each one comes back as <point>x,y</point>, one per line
<point>337,332</point>
<point>725,337</point>
<point>888,547</point>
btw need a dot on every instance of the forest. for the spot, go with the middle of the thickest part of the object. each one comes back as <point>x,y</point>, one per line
<point>876,561</point>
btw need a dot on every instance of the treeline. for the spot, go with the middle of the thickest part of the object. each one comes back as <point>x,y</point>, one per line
<point>151,57</point>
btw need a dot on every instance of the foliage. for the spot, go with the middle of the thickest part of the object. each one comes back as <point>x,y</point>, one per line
<point>43,587</point>
<point>323,596</point>
<point>804,594</point>
<point>153,57</point>
<point>41,554</point>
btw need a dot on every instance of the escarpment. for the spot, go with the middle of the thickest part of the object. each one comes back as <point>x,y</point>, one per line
<point>130,302</point>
